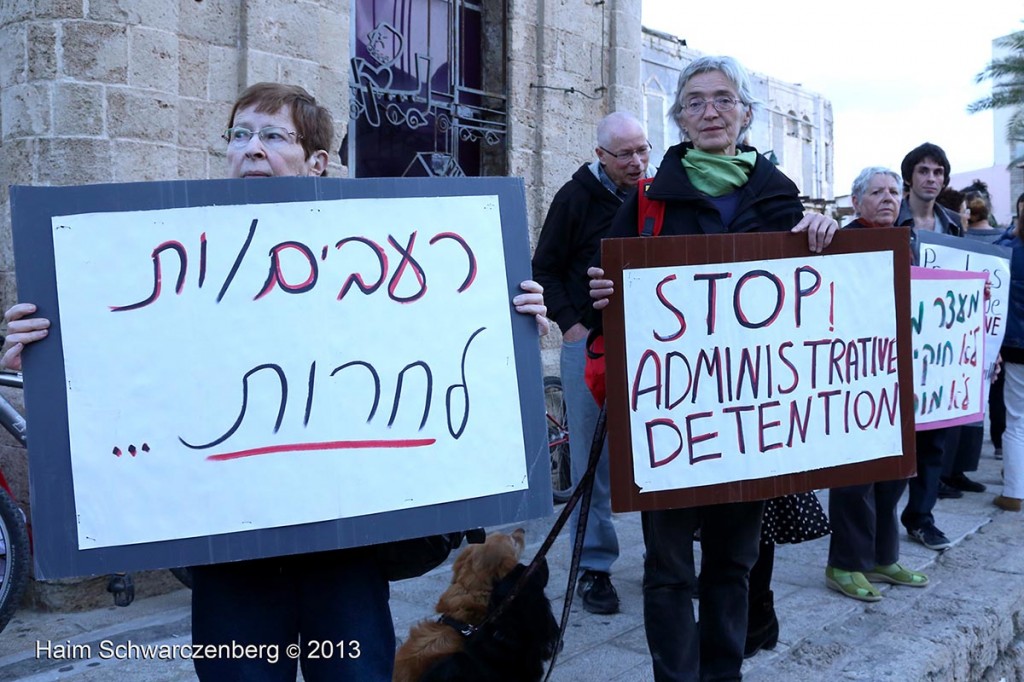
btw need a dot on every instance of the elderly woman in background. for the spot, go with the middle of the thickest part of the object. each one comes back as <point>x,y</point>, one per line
<point>710,184</point>
<point>865,542</point>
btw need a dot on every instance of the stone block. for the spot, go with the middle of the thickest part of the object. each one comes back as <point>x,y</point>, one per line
<point>78,108</point>
<point>153,59</point>
<point>18,162</point>
<point>13,62</point>
<point>145,162</point>
<point>223,83</point>
<point>12,12</point>
<point>217,163</point>
<point>205,122</point>
<point>332,92</point>
<point>142,115</point>
<point>193,69</point>
<point>299,72</point>
<point>95,51</point>
<point>159,14</point>
<point>214,22</point>
<point>259,66</point>
<point>336,6</point>
<point>26,110</point>
<point>284,28</point>
<point>74,161</point>
<point>333,39</point>
<point>8,285</point>
<point>193,164</point>
<point>42,51</point>
<point>57,9</point>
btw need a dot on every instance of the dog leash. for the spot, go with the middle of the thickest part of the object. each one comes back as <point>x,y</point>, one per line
<point>581,495</point>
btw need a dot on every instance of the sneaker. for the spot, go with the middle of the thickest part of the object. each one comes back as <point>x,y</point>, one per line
<point>931,537</point>
<point>597,593</point>
<point>947,492</point>
<point>998,453</point>
<point>961,482</point>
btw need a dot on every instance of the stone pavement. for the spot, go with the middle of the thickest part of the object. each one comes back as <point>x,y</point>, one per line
<point>966,625</point>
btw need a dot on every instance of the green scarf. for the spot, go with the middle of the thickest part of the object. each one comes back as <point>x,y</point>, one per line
<point>715,174</point>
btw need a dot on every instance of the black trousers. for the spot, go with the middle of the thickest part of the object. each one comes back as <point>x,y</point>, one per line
<point>680,650</point>
<point>865,532</point>
<point>332,605</point>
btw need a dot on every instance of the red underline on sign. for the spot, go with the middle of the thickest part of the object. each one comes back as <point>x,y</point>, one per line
<point>330,445</point>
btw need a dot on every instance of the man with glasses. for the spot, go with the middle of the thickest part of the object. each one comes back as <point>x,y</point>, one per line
<point>577,220</point>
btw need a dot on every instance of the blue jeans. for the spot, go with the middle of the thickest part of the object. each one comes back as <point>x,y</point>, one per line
<point>923,489</point>
<point>600,543</point>
<point>323,602</point>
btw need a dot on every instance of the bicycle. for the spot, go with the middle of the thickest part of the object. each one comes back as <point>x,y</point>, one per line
<point>15,547</point>
<point>558,439</point>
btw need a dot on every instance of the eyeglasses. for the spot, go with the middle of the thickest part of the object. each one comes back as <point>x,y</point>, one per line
<point>629,153</point>
<point>274,136</point>
<point>695,107</point>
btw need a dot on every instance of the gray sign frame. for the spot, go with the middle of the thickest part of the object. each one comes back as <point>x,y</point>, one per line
<point>51,484</point>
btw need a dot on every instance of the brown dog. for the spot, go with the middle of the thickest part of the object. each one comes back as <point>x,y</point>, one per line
<point>474,574</point>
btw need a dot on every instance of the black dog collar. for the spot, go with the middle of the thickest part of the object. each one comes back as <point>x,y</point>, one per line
<point>464,629</point>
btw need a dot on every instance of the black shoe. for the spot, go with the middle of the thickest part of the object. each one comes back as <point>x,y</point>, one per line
<point>961,482</point>
<point>597,593</point>
<point>762,625</point>
<point>931,537</point>
<point>948,492</point>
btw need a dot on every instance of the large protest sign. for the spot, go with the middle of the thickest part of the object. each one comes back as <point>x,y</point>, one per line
<point>743,367</point>
<point>972,255</point>
<point>948,322</point>
<point>253,368</point>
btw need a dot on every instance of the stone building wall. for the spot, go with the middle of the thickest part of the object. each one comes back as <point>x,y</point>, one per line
<point>107,91</point>
<point>98,91</point>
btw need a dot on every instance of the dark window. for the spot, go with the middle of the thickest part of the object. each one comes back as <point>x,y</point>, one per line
<point>427,88</point>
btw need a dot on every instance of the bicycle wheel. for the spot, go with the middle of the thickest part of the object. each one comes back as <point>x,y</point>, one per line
<point>558,439</point>
<point>14,562</point>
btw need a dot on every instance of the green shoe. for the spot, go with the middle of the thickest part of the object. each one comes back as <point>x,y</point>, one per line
<point>851,583</point>
<point>897,575</point>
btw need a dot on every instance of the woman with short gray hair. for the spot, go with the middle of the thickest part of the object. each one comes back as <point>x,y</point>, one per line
<point>710,184</point>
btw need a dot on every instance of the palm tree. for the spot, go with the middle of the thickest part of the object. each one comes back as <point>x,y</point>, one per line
<point>1007,76</point>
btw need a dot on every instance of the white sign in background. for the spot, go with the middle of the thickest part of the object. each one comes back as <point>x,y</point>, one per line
<point>337,416</point>
<point>741,371</point>
<point>949,342</point>
<point>997,269</point>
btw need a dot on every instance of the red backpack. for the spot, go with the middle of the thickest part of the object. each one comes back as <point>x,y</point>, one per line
<point>650,217</point>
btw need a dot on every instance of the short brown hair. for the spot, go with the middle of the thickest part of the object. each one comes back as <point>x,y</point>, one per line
<point>313,123</point>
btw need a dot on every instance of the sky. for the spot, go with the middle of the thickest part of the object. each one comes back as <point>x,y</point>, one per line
<point>897,73</point>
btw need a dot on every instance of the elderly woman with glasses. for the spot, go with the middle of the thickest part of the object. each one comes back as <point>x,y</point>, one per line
<point>865,542</point>
<point>342,595</point>
<point>710,184</point>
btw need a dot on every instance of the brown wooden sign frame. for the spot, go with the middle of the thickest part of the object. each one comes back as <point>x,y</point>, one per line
<point>618,255</point>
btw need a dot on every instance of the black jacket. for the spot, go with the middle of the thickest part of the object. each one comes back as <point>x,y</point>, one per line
<point>766,203</point>
<point>580,215</point>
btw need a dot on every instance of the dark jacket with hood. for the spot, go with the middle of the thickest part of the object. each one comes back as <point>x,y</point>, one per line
<point>580,215</point>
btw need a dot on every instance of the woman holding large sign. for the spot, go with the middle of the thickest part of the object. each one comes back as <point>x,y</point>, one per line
<point>709,184</point>
<point>865,542</point>
<point>260,619</point>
